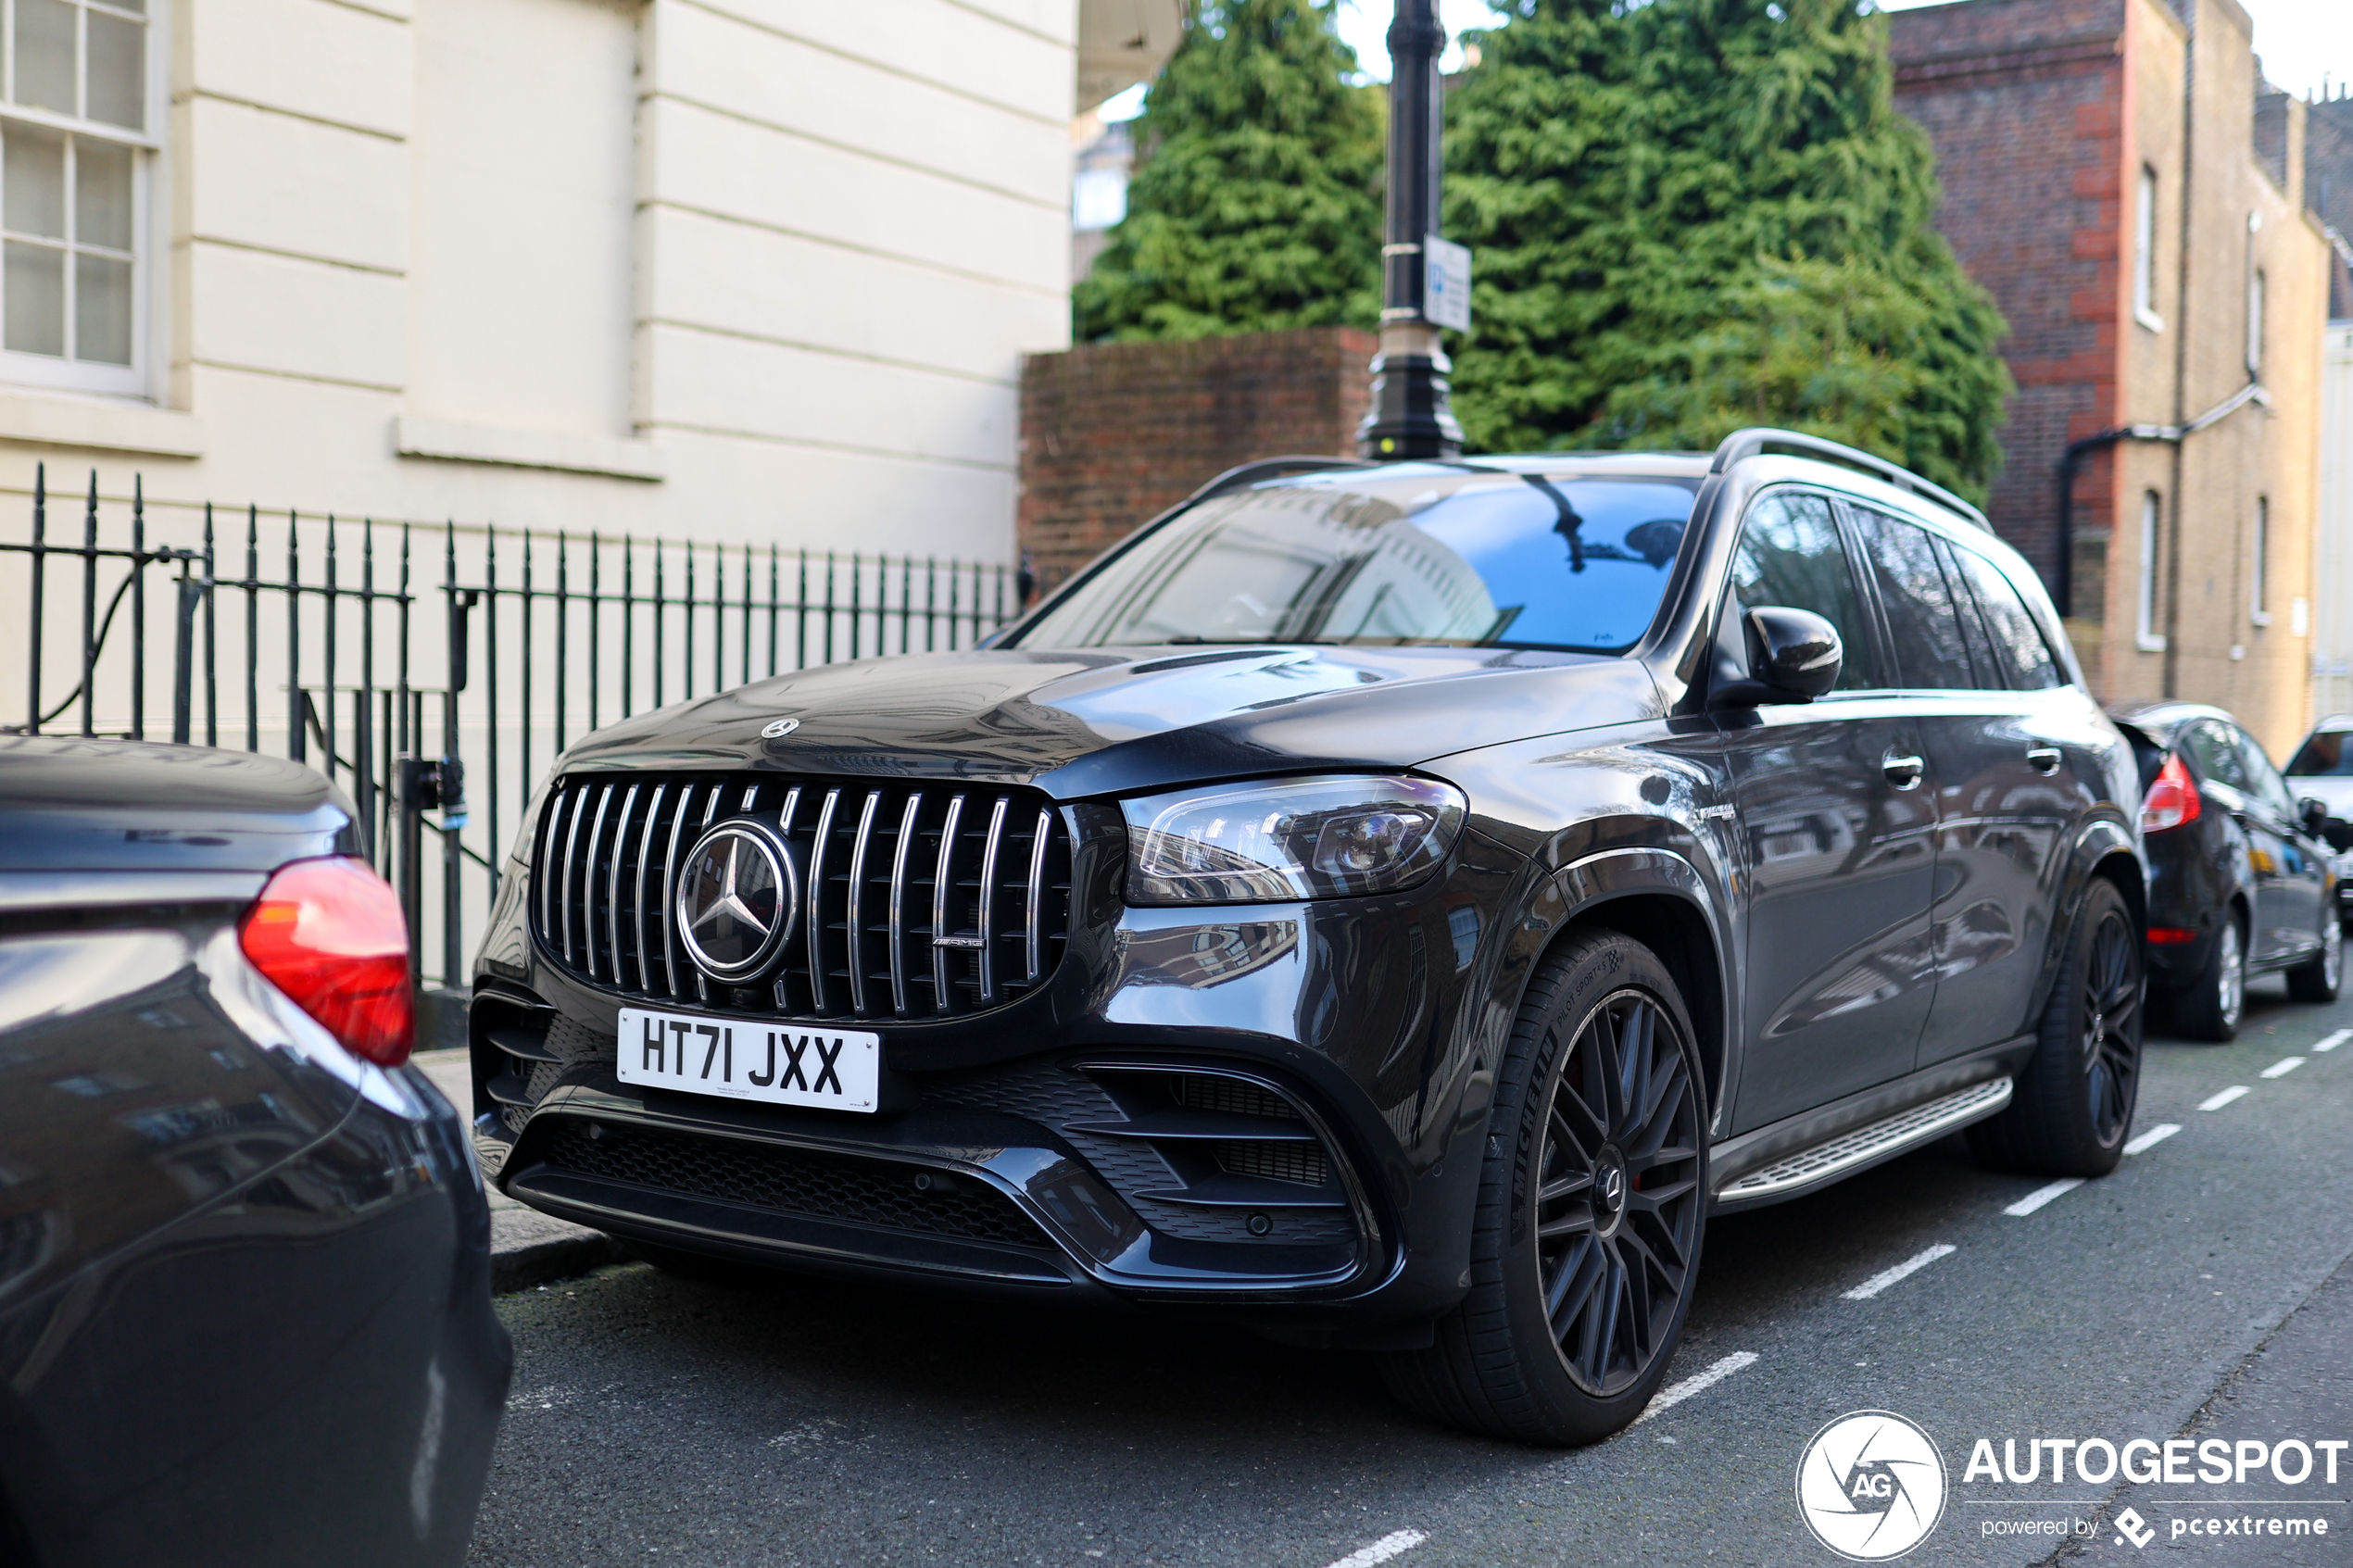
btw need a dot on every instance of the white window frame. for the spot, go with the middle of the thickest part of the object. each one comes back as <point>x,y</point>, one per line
<point>139,378</point>
<point>2145,253</point>
<point>2147,638</point>
<point>2258,608</point>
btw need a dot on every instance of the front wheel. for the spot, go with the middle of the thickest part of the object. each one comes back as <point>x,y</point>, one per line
<point>2073,1105</point>
<point>1591,1202</point>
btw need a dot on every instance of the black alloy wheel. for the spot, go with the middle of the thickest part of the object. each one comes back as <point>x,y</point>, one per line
<point>1617,1201</point>
<point>1591,1212</point>
<point>2110,1026</point>
<point>2072,1105</point>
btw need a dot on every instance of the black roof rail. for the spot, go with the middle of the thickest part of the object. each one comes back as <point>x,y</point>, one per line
<point>1264,468</point>
<point>1743,444</point>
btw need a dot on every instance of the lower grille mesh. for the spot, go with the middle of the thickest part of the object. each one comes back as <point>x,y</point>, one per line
<point>1276,1161</point>
<point>797,1182</point>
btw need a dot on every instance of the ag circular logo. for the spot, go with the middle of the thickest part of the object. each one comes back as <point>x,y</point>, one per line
<point>777,728</point>
<point>737,899</point>
<point>1871,1486</point>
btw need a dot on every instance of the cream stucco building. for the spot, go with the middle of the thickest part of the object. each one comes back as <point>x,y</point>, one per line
<point>721,269</point>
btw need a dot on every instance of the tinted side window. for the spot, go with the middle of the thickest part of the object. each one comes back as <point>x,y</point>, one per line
<point>1922,618</point>
<point>1791,554</point>
<point>2020,652</point>
<point>1985,671</point>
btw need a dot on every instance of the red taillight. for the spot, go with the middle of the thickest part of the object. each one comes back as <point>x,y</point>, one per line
<point>329,935</point>
<point>2172,800</point>
<point>2170,936</point>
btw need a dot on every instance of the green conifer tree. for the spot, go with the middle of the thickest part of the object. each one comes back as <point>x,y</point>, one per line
<point>1256,204</point>
<point>1694,215</point>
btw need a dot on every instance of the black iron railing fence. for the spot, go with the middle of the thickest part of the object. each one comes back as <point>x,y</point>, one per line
<point>488,647</point>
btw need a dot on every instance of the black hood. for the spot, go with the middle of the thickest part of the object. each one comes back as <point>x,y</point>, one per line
<point>76,805</point>
<point>1095,721</point>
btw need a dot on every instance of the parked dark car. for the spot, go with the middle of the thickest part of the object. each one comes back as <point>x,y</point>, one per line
<point>2322,769</point>
<point>1389,907</point>
<point>244,1311</point>
<point>2241,879</point>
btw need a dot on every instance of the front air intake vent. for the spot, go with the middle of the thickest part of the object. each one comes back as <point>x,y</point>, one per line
<point>865,1192</point>
<point>1238,1097</point>
<point>918,900</point>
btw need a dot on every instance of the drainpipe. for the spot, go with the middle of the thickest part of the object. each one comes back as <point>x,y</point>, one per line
<point>2072,463</point>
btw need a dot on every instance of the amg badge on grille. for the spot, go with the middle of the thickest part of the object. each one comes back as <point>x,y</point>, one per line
<point>737,899</point>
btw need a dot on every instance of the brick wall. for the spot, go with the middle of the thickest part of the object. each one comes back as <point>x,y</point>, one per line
<point>1113,433</point>
<point>2022,100</point>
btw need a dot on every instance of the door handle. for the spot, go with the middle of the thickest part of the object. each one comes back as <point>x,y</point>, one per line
<point>2044,758</point>
<point>1904,772</point>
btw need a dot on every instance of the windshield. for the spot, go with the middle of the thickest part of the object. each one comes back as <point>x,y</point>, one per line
<point>1471,558</point>
<point>2325,755</point>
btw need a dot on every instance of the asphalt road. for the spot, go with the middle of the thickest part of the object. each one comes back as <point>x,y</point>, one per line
<point>2191,1294</point>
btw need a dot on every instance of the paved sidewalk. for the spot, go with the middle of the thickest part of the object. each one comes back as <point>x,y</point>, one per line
<point>526,1247</point>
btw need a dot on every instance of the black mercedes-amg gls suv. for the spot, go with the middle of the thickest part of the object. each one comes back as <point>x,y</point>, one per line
<point>1388,905</point>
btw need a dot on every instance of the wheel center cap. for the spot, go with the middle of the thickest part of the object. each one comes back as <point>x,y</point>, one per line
<point>1610,1187</point>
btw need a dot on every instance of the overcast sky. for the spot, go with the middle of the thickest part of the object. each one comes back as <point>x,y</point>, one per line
<point>2302,41</point>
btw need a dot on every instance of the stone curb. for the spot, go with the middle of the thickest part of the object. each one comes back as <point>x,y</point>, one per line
<point>517,1264</point>
<point>527,1247</point>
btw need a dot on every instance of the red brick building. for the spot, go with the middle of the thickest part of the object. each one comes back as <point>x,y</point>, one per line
<point>2117,174</point>
<point>1114,433</point>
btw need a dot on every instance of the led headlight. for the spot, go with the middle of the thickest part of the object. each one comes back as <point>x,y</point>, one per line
<point>1321,837</point>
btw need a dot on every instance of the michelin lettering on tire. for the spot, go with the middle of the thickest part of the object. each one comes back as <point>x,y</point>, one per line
<point>1871,1486</point>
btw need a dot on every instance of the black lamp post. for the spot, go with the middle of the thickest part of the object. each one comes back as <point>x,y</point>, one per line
<point>1410,417</point>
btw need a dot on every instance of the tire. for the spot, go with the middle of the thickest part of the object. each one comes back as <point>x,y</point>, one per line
<point>2071,1106</point>
<point>1548,1245</point>
<point>2320,980</point>
<point>2210,1006</point>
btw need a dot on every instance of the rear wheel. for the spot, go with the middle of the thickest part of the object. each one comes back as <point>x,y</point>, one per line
<point>2210,1006</point>
<point>1591,1202</point>
<point>2072,1104</point>
<point>2317,979</point>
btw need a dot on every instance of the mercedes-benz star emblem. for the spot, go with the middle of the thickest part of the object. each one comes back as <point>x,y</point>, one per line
<point>778,729</point>
<point>738,900</point>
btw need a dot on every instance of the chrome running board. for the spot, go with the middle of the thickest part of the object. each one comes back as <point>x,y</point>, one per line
<point>1867,1146</point>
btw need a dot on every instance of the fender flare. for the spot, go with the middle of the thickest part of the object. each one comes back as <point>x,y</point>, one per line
<point>1588,886</point>
<point>2098,842</point>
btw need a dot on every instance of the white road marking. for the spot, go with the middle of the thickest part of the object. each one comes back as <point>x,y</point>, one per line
<point>2283,1067</point>
<point>2041,1195</point>
<point>1903,1270</point>
<point>2216,1102</point>
<point>2332,1041</point>
<point>1381,1551</point>
<point>2151,1138</point>
<point>1678,1392</point>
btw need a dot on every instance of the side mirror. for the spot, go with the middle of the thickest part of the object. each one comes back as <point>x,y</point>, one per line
<point>1793,656</point>
<point>2314,815</point>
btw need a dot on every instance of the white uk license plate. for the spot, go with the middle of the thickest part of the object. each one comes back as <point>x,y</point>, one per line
<point>741,1059</point>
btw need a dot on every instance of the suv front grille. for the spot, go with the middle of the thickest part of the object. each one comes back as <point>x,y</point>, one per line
<point>794,1181</point>
<point>885,870</point>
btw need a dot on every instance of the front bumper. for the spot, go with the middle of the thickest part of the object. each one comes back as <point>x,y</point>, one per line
<point>1271,1114</point>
